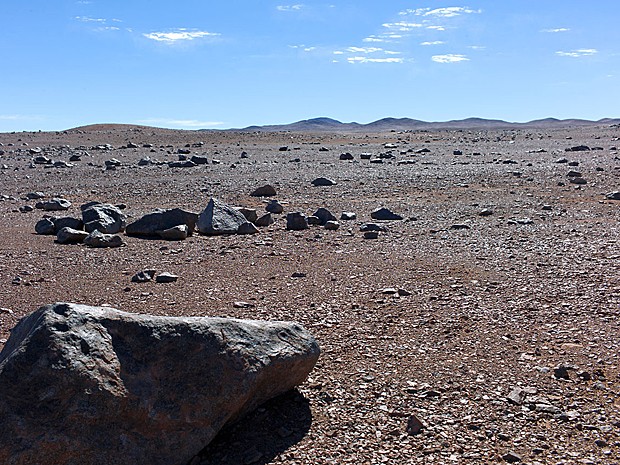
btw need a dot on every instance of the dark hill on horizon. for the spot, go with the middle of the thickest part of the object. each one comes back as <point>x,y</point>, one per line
<point>324,124</point>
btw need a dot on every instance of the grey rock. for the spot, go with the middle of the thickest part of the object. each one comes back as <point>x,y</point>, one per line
<point>313,220</point>
<point>35,195</point>
<point>97,239</point>
<point>365,156</point>
<point>41,160</point>
<point>613,195</point>
<point>264,191</point>
<point>62,164</point>
<point>511,457</point>
<point>45,226</point>
<point>67,222</point>
<point>385,214</point>
<point>95,385</point>
<point>166,278</point>
<point>219,218</point>
<point>112,162</point>
<point>199,160</point>
<point>145,161</point>
<point>143,276</point>
<point>371,235</point>
<point>459,227</point>
<point>250,214</point>
<point>75,157</point>
<point>26,208</point>
<point>578,180</point>
<point>485,212</point>
<point>372,227</point>
<point>181,164</point>
<point>274,207</point>
<point>348,216</point>
<point>55,204</point>
<point>68,235</point>
<point>346,156</point>
<point>160,220</point>
<point>103,217</point>
<point>264,220</point>
<point>176,233</point>
<point>323,182</point>
<point>324,215</point>
<point>296,221</point>
<point>332,225</point>
<point>578,148</point>
<point>573,174</point>
<point>247,228</point>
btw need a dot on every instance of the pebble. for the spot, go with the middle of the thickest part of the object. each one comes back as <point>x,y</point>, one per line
<point>166,278</point>
<point>323,182</point>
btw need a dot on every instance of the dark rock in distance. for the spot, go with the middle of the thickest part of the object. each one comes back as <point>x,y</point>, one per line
<point>385,214</point>
<point>264,191</point>
<point>160,220</point>
<point>296,221</point>
<point>324,182</point>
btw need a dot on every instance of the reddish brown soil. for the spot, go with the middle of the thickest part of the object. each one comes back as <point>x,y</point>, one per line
<point>492,308</point>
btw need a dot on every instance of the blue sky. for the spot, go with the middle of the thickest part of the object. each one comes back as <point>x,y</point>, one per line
<point>221,64</point>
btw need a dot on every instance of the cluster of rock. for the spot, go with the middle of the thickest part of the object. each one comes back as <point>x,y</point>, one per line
<point>95,385</point>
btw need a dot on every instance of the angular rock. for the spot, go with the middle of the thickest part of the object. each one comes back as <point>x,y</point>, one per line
<point>324,215</point>
<point>45,226</point>
<point>95,385</point>
<point>68,235</point>
<point>247,228</point>
<point>296,221</point>
<point>55,204</point>
<point>219,218</point>
<point>97,239</point>
<point>160,220</point>
<point>348,216</point>
<point>181,164</point>
<point>176,233</point>
<point>385,214</point>
<point>143,276</point>
<point>332,225</point>
<point>371,235</point>
<point>313,220</point>
<point>323,182</point>
<point>372,227</point>
<point>613,195</point>
<point>264,220</point>
<point>274,207</point>
<point>145,161</point>
<point>166,278</point>
<point>250,214</point>
<point>264,191</point>
<point>67,222</point>
<point>346,156</point>
<point>35,195</point>
<point>103,217</point>
<point>199,160</point>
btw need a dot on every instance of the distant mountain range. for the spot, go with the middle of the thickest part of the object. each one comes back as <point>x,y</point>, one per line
<point>404,124</point>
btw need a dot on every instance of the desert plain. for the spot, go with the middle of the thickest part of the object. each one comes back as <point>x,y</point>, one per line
<point>483,327</point>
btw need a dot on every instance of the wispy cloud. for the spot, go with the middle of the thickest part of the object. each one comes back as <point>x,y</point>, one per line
<point>556,30</point>
<point>88,19</point>
<point>403,26</point>
<point>449,58</point>
<point>178,35</point>
<point>448,12</point>
<point>180,123</point>
<point>582,52</point>
<point>362,59</point>
<point>296,7</point>
<point>434,42</point>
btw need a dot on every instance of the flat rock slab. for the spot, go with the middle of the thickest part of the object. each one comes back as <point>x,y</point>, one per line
<point>160,220</point>
<point>95,385</point>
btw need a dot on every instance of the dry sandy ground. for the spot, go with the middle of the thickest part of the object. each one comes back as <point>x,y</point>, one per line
<point>493,308</point>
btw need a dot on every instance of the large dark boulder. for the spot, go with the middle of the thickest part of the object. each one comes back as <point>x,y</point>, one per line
<point>95,385</point>
<point>160,220</point>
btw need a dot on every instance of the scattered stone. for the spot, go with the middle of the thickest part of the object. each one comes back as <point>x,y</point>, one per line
<point>385,214</point>
<point>264,191</point>
<point>348,216</point>
<point>332,225</point>
<point>41,160</point>
<point>88,376</point>
<point>457,152</point>
<point>145,161</point>
<point>68,235</point>
<point>296,221</point>
<point>166,278</point>
<point>561,372</point>
<point>324,215</point>
<point>578,148</point>
<point>562,160</point>
<point>103,217</point>
<point>62,164</point>
<point>247,228</point>
<point>284,148</point>
<point>323,182</point>
<point>181,164</point>
<point>176,233</point>
<point>45,226</point>
<point>511,457</point>
<point>219,218</point>
<point>547,208</point>
<point>35,195</point>
<point>250,214</point>
<point>371,235</point>
<point>613,195</point>
<point>143,276</point>
<point>403,292</point>
<point>97,239</point>
<point>578,180</point>
<point>460,227</point>
<point>161,220</point>
<point>372,227</point>
<point>55,204</point>
<point>573,174</point>
<point>573,163</point>
<point>26,208</point>
<point>346,156</point>
<point>75,157</point>
<point>241,304</point>
<point>264,220</point>
<point>365,156</point>
<point>274,207</point>
<point>112,162</point>
<point>199,160</point>
<point>414,425</point>
<point>298,274</point>
<point>486,212</point>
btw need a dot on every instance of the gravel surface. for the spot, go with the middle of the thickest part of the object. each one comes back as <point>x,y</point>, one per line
<point>481,328</point>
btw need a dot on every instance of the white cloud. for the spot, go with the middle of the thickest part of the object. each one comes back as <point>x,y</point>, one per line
<point>476,47</point>
<point>182,123</point>
<point>402,26</point>
<point>435,42</point>
<point>177,35</point>
<point>449,58</point>
<point>88,19</point>
<point>364,49</point>
<point>358,59</point>
<point>556,30</point>
<point>582,52</point>
<point>450,12</point>
<point>436,28</point>
<point>374,39</point>
<point>290,7</point>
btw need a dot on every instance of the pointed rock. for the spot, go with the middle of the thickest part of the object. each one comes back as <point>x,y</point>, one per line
<point>324,215</point>
<point>219,218</point>
<point>385,214</point>
<point>264,220</point>
<point>75,379</point>
<point>296,221</point>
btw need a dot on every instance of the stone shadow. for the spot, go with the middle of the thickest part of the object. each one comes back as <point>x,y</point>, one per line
<point>262,435</point>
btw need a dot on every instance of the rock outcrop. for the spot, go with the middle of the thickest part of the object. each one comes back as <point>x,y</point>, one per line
<point>95,385</point>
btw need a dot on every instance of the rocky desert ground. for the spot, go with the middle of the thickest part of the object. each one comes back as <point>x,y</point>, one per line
<point>481,328</point>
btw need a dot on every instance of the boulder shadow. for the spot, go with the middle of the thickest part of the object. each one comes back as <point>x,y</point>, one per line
<point>262,435</point>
